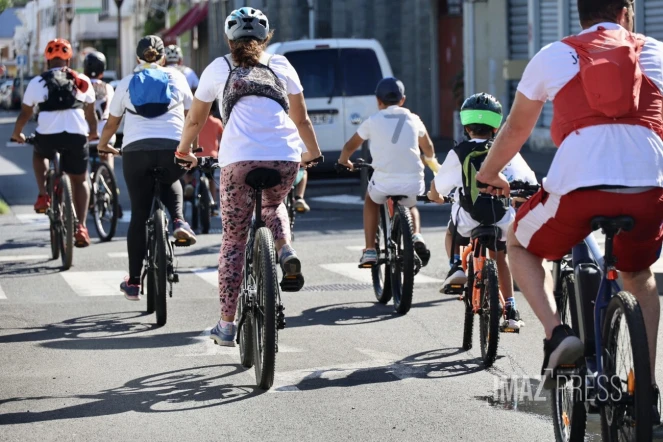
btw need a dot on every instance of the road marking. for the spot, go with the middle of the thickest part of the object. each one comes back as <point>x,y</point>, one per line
<point>8,168</point>
<point>351,271</point>
<point>355,248</point>
<point>37,219</point>
<point>118,254</point>
<point>210,276</point>
<point>14,258</point>
<point>340,199</point>
<point>103,283</point>
<point>2,294</point>
<point>316,220</point>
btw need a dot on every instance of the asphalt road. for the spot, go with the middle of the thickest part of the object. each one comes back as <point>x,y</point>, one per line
<point>79,362</point>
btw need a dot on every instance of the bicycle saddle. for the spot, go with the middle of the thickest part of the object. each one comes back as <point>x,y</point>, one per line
<point>263,178</point>
<point>611,225</point>
<point>486,231</point>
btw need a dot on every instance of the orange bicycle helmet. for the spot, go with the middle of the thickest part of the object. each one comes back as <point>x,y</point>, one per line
<point>58,48</point>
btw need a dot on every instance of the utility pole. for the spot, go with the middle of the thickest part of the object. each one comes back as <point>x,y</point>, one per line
<point>119,38</point>
<point>311,19</point>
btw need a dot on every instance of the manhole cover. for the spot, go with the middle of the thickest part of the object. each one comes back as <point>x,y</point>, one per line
<point>337,287</point>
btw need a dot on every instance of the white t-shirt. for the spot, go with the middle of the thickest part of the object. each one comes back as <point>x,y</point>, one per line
<point>258,129</point>
<point>168,126</point>
<point>608,154</point>
<point>70,120</point>
<point>450,174</point>
<point>100,100</point>
<point>394,134</point>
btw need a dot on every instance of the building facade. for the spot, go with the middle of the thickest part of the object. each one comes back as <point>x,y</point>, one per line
<point>429,62</point>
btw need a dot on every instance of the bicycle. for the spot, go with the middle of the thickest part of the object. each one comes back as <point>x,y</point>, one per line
<point>591,301</point>
<point>260,310</point>
<point>481,294</point>
<point>61,213</point>
<point>397,263</point>
<point>201,201</point>
<point>104,200</point>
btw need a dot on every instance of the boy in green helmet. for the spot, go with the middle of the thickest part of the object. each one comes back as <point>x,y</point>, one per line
<point>481,116</point>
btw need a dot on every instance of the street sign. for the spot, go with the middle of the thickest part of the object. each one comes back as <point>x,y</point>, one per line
<point>22,60</point>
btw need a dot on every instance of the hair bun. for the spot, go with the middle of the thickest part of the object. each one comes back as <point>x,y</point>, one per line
<point>150,55</point>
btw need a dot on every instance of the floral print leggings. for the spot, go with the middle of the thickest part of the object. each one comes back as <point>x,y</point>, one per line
<point>237,207</point>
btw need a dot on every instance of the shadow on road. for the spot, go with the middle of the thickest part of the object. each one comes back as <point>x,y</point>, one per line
<point>353,313</point>
<point>172,391</point>
<point>108,331</point>
<point>433,364</point>
<point>22,269</point>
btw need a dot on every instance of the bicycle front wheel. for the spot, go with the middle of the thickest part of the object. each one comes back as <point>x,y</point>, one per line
<point>160,266</point>
<point>402,269</point>
<point>67,228</point>
<point>106,208</point>
<point>468,326</point>
<point>264,314</point>
<point>380,271</point>
<point>626,416</point>
<point>491,313</point>
<point>568,410</point>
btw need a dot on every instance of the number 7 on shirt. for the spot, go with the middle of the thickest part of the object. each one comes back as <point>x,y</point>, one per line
<point>399,126</point>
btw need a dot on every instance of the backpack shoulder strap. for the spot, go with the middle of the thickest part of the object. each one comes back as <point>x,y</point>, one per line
<point>229,62</point>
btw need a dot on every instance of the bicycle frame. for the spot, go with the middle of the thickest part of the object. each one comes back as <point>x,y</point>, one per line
<point>475,248</point>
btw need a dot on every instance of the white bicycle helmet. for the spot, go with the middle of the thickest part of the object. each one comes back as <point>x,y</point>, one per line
<point>173,54</point>
<point>247,22</point>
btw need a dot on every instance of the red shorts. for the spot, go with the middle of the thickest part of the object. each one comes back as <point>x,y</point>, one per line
<point>550,225</point>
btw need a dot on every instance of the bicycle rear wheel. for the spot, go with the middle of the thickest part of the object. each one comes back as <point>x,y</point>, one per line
<point>402,269</point>
<point>160,269</point>
<point>468,326</point>
<point>568,410</point>
<point>264,317</point>
<point>67,229</point>
<point>491,313</point>
<point>106,208</point>
<point>626,416</point>
<point>380,272</point>
<point>149,273</point>
<point>54,215</point>
<point>204,206</point>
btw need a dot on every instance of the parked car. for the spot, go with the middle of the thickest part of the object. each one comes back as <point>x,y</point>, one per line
<point>6,87</point>
<point>17,92</point>
<point>339,78</point>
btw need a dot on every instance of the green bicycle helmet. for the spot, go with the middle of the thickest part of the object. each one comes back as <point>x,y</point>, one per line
<point>481,108</point>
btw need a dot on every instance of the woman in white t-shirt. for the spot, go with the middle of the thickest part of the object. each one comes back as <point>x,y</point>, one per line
<point>265,125</point>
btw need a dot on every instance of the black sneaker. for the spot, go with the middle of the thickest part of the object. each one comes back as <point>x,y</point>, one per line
<point>420,249</point>
<point>563,348</point>
<point>456,275</point>
<point>513,317</point>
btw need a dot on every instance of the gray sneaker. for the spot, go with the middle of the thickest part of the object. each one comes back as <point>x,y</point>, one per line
<point>293,280</point>
<point>224,335</point>
<point>368,259</point>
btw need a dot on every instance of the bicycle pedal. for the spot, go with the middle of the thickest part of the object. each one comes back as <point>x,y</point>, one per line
<point>509,330</point>
<point>41,211</point>
<point>453,289</point>
<point>181,242</point>
<point>565,370</point>
<point>292,283</point>
<point>366,266</point>
<point>176,278</point>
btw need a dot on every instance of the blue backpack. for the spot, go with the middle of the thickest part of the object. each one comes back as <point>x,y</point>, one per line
<point>150,94</point>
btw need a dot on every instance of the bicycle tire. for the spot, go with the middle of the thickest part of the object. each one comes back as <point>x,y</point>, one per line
<point>569,425</point>
<point>246,335</point>
<point>491,313</point>
<point>150,275</point>
<point>204,206</point>
<point>161,268</point>
<point>104,178</point>
<point>54,216</point>
<point>468,325</point>
<point>264,321</point>
<point>292,213</point>
<point>642,404</point>
<point>380,273</point>
<point>402,289</point>
<point>67,232</point>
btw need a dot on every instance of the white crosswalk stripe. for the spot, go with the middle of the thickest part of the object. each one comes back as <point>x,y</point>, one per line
<point>2,294</point>
<point>101,283</point>
<point>210,275</point>
<point>34,219</point>
<point>352,271</point>
<point>118,255</point>
<point>18,258</point>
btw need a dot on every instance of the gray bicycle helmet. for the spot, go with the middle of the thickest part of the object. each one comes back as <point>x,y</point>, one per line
<point>247,23</point>
<point>173,54</point>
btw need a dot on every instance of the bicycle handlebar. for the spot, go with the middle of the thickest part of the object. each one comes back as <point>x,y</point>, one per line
<point>356,166</point>
<point>426,200</point>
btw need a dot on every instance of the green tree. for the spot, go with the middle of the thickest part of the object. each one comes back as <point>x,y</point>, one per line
<point>4,4</point>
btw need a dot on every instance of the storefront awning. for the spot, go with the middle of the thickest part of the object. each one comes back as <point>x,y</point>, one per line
<point>192,18</point>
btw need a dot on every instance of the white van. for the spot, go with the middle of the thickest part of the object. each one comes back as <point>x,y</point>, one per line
<point>339,78</point>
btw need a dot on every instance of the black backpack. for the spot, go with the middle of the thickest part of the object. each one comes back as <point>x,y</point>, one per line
<point>483,208</point>
<point>61,85</point>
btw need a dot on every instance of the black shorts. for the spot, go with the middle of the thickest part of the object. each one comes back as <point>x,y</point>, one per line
<point>464,241</point>
<point>73,150</point>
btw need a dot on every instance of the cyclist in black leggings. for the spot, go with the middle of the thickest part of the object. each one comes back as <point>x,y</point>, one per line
<point>151,136</point>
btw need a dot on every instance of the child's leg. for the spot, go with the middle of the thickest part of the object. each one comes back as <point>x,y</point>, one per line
<point>371,218</point>
<point>416,220</point>
<point>503,273</point>
<point>301,187</point>
<point>448,239</point>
